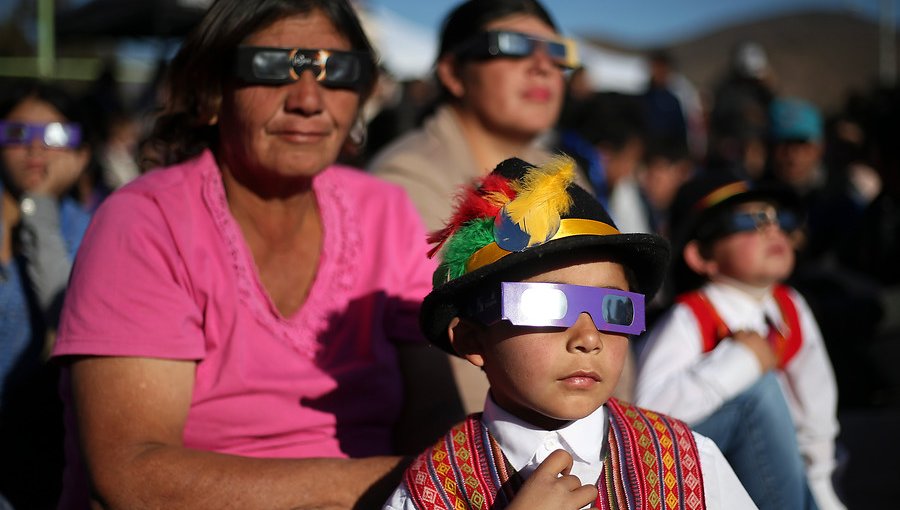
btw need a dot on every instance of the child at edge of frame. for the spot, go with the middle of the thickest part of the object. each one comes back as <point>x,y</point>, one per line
<point>538,288</point>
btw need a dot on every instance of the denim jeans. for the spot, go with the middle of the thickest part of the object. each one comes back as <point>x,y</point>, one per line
<point>755,432</point>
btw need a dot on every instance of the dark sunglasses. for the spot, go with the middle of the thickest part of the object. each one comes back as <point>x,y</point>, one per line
<point>539,304</point>
<point>57,135</point>
<point>494,44</point>
<point>741,221</point>
<point>277,66</point>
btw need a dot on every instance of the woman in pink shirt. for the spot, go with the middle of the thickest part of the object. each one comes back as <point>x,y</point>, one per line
<point>242,323</point>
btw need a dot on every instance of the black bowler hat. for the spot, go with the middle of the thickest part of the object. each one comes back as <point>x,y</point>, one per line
<point>522,219</point>
<point>703,198</point>
<point>700,206</point>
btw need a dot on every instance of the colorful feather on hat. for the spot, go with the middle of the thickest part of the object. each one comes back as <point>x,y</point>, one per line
<point>541,197</point>
<point>475,235</point>
<point>483,200</point>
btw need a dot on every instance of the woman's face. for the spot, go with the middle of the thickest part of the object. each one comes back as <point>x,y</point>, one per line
<point>292,130</point>
<point>518,97</point>
<point>26,164</point>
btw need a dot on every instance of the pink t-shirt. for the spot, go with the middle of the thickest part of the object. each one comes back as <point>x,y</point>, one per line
<point>164,272</point>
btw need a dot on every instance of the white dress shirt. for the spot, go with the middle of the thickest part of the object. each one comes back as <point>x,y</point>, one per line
<point>676,378</point>
<point>526,446</point>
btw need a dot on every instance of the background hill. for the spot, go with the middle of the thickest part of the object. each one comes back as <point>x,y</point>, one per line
<point>822,56</point>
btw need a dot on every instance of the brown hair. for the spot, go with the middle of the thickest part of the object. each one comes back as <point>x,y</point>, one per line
<point>194,83</point>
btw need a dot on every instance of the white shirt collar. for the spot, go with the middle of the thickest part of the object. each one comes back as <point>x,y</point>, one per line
<point>740,310</point>
<point>522,442</point>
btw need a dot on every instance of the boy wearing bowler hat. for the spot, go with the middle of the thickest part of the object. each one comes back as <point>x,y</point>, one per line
<point>740,356</point>
<point>539,289</point>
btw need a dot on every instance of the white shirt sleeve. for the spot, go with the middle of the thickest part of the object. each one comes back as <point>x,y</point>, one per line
<point>399,500</point>
<point>812,394</point>
<point>676,378</point>
<point>721,487</point>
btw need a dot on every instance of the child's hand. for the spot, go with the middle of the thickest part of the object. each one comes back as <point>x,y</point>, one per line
<point>552,487</point>
<point>767,358</point>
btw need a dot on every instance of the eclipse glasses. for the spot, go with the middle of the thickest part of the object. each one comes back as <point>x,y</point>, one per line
<point>56,135</point>
<point>560,305</point>
<point>494,44</point>
<point>277,66</point>
<point>749,221</point>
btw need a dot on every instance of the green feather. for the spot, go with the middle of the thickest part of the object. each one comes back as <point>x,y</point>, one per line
<point>473,236</point>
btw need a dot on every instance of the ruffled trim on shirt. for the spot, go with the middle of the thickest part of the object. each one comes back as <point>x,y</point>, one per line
<point>336,274</point>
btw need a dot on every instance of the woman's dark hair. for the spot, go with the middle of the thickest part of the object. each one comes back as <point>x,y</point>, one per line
<point>194,84</point>
<point>65,103</point>
<point>72,109</point>
<point>471,17</point>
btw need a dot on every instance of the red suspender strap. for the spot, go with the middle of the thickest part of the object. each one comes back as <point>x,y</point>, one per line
<point>712,328</point>
<point>793,338</point>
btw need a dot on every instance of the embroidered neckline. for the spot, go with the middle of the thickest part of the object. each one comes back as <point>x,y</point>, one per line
<point>335,276</point>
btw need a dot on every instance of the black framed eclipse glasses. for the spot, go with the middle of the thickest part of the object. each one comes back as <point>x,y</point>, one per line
<point>501,43</point>
<point>264,65</point>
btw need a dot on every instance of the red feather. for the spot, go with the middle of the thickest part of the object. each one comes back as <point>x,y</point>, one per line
<point>471,204</point>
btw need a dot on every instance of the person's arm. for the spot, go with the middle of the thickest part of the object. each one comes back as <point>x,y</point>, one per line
<point>48,263</point>
<point>676,378</point>
<point>131,414</point>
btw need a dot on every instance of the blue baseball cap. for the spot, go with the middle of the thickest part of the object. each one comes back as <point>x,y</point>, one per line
<point>794,119</point>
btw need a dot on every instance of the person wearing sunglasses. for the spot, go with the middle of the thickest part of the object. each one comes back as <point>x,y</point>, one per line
<point>538,288</point>
<point>241,326</point>
<point>43,152</point>
<point>740,355</point>
<point>501,70</point>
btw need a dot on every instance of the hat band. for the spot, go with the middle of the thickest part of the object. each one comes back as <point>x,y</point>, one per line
<point>567,227</point>
<point>720,194</point>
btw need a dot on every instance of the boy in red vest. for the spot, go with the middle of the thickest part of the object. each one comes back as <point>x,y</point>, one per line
<point>539,289</point>
<point>740,356</point>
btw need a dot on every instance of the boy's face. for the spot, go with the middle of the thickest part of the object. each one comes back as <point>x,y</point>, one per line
<point>796,162</point>
<point>551,375</point>
<point>759,257</point>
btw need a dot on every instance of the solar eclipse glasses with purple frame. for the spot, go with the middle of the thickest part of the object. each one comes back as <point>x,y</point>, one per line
<point>55,134</point>
<point>559,305</point>
<point>276,66</point>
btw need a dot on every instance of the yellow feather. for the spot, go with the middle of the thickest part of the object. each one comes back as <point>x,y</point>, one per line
<point>497,198</point>
<point>541,198</point>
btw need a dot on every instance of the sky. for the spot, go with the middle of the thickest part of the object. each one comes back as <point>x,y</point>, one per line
<point>646,22</point>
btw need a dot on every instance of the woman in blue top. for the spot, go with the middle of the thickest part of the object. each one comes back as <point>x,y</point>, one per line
<point>43,151</point>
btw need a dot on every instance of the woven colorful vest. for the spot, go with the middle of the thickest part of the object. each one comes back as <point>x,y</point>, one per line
<point>713,329</point>
<point>652,463</point>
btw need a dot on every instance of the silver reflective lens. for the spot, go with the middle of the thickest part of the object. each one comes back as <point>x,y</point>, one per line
<point>618,310</point>
<point>55,135</point>
<point>512,43</point>
<point>543,304</point>
<point>272,65</point>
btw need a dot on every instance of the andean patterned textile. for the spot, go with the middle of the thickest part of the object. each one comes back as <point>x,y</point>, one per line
<point>652,463</point>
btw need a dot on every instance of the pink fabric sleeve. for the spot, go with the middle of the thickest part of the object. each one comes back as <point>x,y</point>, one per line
<point>129,272</point>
